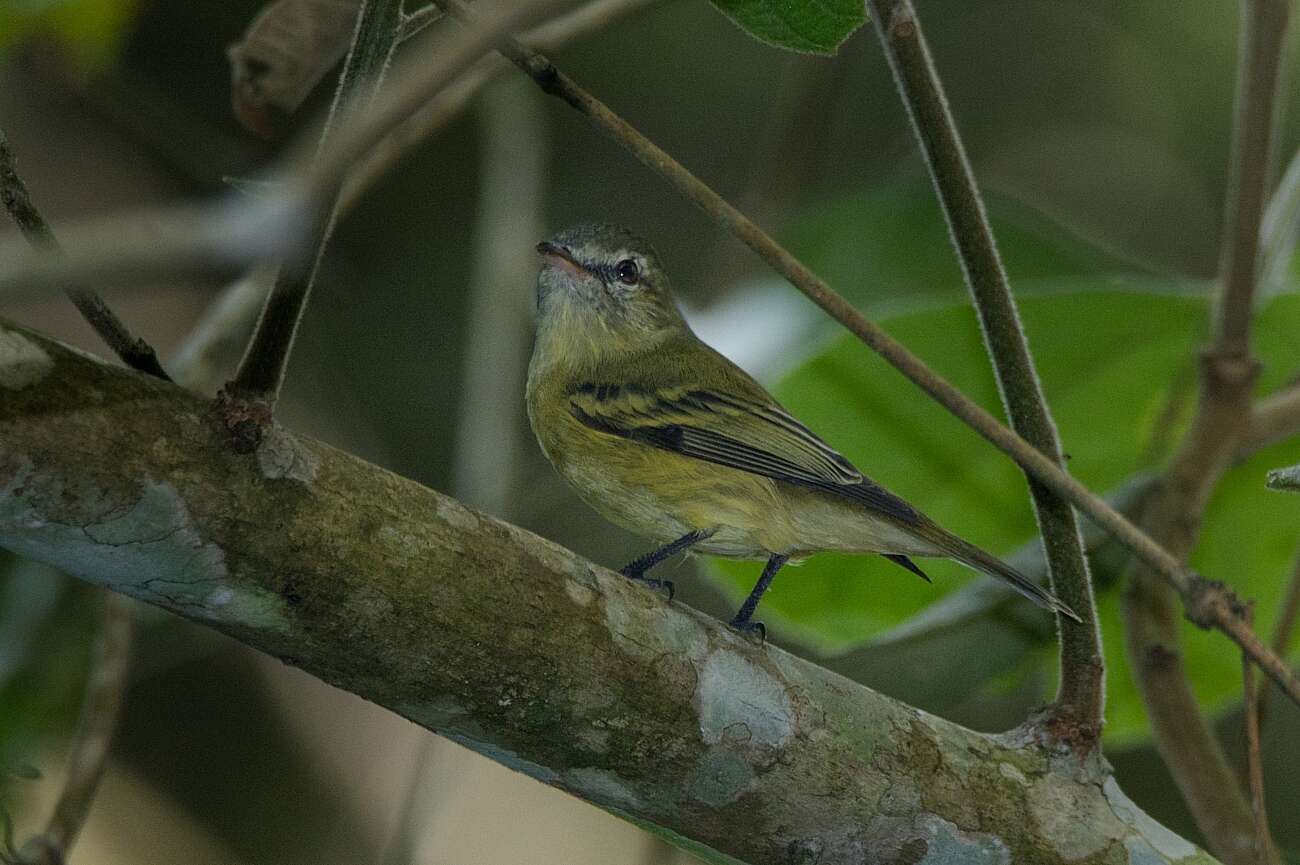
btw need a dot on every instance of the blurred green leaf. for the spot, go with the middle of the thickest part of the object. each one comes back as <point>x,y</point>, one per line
<point>890,242</point>
<point>91,32</point>
<point>810,26</point>
<point>1107,359</point>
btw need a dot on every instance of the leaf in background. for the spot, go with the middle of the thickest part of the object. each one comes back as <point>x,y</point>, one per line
<point>91,32</point>
<point>285,52</point>
<point>1107,359</point>
<point>809,26</point>
<point>891,241</point>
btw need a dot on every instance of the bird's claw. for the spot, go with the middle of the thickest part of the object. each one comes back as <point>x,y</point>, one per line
<point>747,628</point>
<point>650,582</point>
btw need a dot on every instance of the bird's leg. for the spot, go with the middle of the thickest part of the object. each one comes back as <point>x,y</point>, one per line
<point>741,620</point>
<point>637,569</point>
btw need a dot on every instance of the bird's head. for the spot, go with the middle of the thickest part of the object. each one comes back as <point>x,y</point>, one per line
<point>605,277</point>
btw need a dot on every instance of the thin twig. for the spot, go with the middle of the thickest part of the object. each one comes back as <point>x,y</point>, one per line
<point>1275,418</point>
<point>1080,692</point>
<point>134,351</point>
<point>220,328</point>
<point>1283,630</point>
<point>413,23</point>
<point>1263,848</point>
<point>1222,422</point>
<point>1209,604</point>
<point>1263,31</point>
<point>261,373</point>
<point>105,686</point>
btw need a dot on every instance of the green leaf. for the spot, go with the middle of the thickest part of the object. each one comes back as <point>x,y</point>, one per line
<point>890,243</point>
<point>809,26</point>
<point>1108,359</point>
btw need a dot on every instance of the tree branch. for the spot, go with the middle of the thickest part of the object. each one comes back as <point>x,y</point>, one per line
<point>1263,847</point>
<point>516,647</point>
<point>261,373</point>
<point>1274,418</point>
<point>1222,422</point>
<point>1263,31</point>
<point>1079,712</point>
<point>105,685</point>
<point>1209,604</point>
<point>134,352</point>
<point>1283,629</point>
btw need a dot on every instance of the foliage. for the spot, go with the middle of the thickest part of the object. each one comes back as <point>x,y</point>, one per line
<point>811,26</point>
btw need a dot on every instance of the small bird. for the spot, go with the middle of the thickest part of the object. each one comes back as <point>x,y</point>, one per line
<point>666,437</point>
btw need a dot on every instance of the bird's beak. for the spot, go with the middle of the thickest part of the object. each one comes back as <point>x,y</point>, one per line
<point>557,256</point>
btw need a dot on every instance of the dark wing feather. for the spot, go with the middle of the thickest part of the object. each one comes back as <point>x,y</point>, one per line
<point>759,438</point>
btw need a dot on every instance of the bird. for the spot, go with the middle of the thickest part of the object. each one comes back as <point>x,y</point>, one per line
<point>663,435</point>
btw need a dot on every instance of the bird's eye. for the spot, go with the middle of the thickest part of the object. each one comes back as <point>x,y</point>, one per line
<point>627,272</point>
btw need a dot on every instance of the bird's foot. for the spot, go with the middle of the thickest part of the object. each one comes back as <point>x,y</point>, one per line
<point>649,582</point>
<point>748,628</point>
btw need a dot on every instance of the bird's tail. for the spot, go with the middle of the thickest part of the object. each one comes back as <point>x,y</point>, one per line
<point>972,556</point>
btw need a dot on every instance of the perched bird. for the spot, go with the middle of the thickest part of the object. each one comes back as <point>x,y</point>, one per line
<point>666,437</point>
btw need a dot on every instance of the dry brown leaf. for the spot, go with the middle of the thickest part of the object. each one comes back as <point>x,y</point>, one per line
<point>285,52</point>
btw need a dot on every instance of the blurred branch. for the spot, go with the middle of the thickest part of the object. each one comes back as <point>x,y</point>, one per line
<point>428,118</point>
<point>1284,629</point>
<point>261,372</point>
<point>134,352</point>
<point>1263,847</point>
<point>1209,604</point>
<point>220,328</point>
<point>1263,32</point>
<point>1223,419</point>
<point>1274,418</point>
<point>1279,230</point>
<point>105,686</point>
<point>704,737</point>
<point>496,340</point>
<point>1077,716</point>
<point>241,230</point>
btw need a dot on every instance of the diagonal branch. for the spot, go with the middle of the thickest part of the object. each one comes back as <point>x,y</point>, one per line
<point>134,352</point>
<point>1208,604</point>
<point>1079,711</point>
<point>516,647</point>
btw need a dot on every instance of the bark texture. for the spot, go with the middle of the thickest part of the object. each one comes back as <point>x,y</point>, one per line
<point>518,648</point>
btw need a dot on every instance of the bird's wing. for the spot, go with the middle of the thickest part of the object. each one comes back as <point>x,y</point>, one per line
<point>729,430</point>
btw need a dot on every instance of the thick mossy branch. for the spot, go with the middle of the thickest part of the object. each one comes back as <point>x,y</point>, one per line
<point>516,647</point>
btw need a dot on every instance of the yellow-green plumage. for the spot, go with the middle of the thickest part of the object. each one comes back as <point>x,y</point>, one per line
<point>664,436</point>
